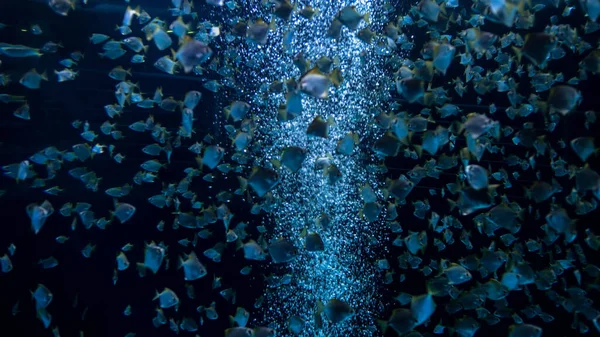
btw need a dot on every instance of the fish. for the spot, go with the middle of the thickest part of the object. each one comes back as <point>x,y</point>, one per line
<point>167,65</point>
<point>347,143</point>
<point>262,180</point>
<point>258,31</point>
<point>329,132</point>
<point>6,265</point>
<point>537,48</point>
<point>32,79</point>
<point>166,298</point>
<point>563,99</point>
<point>282,251</point>
<point>238,331</point>
<point>122,262</point>
<point>61,7</point>
<point>192,53</point>
<point>123,211</point>
<point>411,89</point>
<point>161,39</point>
<point>135,44</point>
<point>192,98</point>
<point>193,269</point>
<point>422,307</point>
<point>48,263</point>
<point>457,274</point>
<point>212,156</point>
<point>477,176</point>
<point>524,330</point>
<point>237,110</point>
<point>401,321</point>
<point>350,18</point>
<point>335,310</point>
<point>129,14</point>
<point>215,2</point>
<point>315,83</point>
<point>252,251</point>
<point>283,9</point>
<point>314,243</point>
<point>19,51</point>
<point>293,157</point>
<point>119,74</point>
<point>583,147</point>
<point>42,296</point>
<point>319,127</point>
<point>38,214</point>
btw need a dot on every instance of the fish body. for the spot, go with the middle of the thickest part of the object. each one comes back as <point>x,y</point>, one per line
<point>192,53</point>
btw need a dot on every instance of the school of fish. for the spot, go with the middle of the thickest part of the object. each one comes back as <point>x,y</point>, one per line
<point>377,167</point>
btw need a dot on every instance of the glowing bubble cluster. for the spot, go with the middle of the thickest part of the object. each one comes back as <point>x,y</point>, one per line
<point>346,269</point>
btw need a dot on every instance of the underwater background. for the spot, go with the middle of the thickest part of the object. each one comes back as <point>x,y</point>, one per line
<point>371,260</point>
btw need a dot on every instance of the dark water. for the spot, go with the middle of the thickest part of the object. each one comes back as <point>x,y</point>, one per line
<point>88,282</point>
